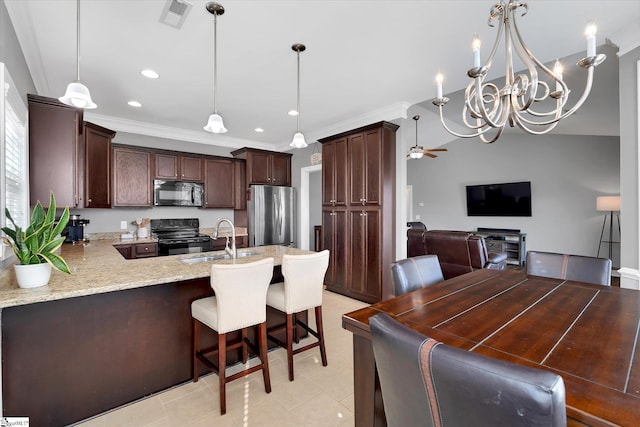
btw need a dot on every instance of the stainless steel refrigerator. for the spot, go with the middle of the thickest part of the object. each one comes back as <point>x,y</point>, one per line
<point>271,213</point>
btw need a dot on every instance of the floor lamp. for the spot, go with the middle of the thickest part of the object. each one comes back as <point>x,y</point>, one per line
<point>608,204</point>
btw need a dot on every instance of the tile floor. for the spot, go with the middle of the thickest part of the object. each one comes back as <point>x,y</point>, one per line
<point>319,396</point>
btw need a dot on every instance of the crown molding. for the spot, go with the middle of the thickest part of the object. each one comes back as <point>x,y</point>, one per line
<point>627,38</point>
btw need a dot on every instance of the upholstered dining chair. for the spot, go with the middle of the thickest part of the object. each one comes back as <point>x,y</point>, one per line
<point>569,267</point>
<point>301,291</point>
<point>239,303</point>
<point>415,273</point>
<point>427,383</point>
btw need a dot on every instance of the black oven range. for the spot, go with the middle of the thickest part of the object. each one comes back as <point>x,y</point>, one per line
<point>179,236</point>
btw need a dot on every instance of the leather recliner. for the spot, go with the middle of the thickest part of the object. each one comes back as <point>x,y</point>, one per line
<point>427,383</point>
<point>415,243</point>
<point>461,252</point>
<point>569,267</point>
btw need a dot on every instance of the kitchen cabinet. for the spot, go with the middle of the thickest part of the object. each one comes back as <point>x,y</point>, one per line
<point>358,213</point>
<point>138,250</point>
<point>132,177</point>
<point>97,161</point>
<point>221,242</point>
<point>240,184</point>
<point>334,173</point>
<point>178,167</point>
<point>219,183</point>
<point>266,167</point>
<point>55,152</point>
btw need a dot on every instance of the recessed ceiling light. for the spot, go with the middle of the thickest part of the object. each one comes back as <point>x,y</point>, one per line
<point>259,130</point>
<point>293,112</point>
<point>150,74</point>
<point>134,104</point>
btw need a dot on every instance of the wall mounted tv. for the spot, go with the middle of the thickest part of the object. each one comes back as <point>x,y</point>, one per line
<point>509,199</point>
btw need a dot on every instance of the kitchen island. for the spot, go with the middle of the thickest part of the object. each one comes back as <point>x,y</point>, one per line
<point>112,332</point>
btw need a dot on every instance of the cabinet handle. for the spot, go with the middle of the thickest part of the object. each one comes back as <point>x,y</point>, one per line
<point>89,200</point>
<point>363,214</point>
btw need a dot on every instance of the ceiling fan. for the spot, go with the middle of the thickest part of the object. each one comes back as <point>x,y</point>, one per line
<point>417,151</point>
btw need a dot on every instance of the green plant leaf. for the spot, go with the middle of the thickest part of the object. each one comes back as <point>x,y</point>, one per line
<point>57,262</point>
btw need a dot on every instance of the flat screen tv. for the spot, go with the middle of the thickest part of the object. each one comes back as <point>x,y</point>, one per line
<point>509,199</point>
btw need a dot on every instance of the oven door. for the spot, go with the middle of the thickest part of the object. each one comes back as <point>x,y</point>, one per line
<point>182,247</point>
<point>177,193</point>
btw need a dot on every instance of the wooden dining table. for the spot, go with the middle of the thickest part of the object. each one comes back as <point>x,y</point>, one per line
<point>588,334</point>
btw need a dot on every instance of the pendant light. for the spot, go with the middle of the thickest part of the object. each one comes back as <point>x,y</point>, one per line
<point>77,94</point>
<point>298,137</point>
<point>215,124</point>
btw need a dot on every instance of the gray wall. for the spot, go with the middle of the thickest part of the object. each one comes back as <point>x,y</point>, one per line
<point>566,174</point>
<point>11,55</point>
<point>629,157</point>
<point>315,203</point>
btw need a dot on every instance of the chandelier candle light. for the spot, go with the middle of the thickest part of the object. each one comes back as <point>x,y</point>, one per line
<point>298,137</point>
<point>488,107</point>
<point>215,123</point>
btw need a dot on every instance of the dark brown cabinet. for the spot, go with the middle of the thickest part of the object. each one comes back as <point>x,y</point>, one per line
<point>219,183</point>
<point>266,167</point>
<point>240,184</point>
<point>97,169</point>
<point>138,250</point>
<point>358,213</point>
<point>132,177</point>
<point>177,167</point>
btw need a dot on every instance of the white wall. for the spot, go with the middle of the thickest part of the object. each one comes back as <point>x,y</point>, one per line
<point>566,174</point>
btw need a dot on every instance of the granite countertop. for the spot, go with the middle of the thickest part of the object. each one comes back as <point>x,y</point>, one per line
<point>97,267</point>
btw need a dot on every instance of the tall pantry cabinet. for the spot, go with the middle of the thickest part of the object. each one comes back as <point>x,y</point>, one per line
<point>358,210</point>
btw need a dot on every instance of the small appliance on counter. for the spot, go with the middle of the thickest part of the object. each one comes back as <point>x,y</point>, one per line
<point>74,231</point>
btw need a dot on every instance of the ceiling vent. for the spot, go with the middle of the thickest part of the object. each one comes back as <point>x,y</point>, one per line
<point>175,12</point>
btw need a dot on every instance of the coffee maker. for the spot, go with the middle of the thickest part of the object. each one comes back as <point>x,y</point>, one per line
<point>75,229</point>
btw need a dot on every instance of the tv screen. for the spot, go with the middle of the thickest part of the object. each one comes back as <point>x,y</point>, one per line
<point>510,199</point>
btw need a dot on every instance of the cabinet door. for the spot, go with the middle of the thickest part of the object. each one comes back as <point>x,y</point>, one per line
<point>334,238</point>
<point>373,167</point>
<point>54,152</point>
<point>259,168</point>
<point>131,177</point>
<point>357,169</point>
<point>240,185</point>
<point>334,173</point>
<point>280,170</point>
<point>166,166</point>
<point>97,166</point>
<point>191,169</point>
<point>219,183</point>
<point>365,254</point>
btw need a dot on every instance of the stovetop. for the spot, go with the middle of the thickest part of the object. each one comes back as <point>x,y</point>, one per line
<point>177,230</point>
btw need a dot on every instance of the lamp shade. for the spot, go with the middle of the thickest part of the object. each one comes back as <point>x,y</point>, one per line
<point>77,95</point>
<point>298,141</point>
<point>608,203</point>
<point>215,124</point>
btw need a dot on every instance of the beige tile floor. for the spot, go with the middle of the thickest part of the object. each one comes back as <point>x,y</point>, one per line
<point>319,396</point>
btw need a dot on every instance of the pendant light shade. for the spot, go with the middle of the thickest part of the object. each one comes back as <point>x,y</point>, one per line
<point>77,94</point>
<point>215,123</point>
<point>298,137</point>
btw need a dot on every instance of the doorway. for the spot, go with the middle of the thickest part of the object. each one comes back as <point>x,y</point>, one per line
<point>310,204</point>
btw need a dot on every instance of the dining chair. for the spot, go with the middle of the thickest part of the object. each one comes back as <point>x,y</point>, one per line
<point>428,383</point>
<point>414,273</point>
<point>239,303</point>
<point>301,290</point>
<point>569,267</point>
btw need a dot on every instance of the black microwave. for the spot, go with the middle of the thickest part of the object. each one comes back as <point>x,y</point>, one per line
<point>177,193</point>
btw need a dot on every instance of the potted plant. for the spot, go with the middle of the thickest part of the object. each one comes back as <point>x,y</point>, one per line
<point>35,247</point>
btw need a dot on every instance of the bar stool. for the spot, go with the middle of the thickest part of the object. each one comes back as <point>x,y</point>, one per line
<point>239,302</point>
<point>301,290</point>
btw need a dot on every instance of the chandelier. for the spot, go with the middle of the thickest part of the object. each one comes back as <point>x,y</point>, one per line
<point>489,108</point>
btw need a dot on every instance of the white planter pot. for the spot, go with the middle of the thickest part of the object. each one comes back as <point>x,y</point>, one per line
<point>33,275</point>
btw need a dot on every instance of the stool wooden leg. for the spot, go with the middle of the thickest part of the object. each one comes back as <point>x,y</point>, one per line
<point>323,352</point>
<point>289,339</point>
<point>196,347</point>
<point>222,363</point>
<point>264,357</point>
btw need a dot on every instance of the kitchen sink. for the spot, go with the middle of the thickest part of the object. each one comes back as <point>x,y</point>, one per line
<point>207,258</point>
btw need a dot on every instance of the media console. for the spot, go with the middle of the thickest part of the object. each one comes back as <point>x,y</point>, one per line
<point>510,241</point>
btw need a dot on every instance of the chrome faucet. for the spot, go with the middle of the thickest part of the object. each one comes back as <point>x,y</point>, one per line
<point>231,251</point>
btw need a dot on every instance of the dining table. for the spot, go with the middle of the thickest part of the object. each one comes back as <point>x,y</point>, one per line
<point>587,334</point>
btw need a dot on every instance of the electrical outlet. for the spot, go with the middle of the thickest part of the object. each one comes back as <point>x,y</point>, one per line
<point>421,204</point>
<point>123,225</point>
<point>417,216</point>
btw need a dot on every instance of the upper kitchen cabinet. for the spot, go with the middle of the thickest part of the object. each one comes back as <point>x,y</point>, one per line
<point>56,159</point>
<point>365,164</point>
<point>219,183</point>
<point>132,177</point>
<point>97,177</point>
<point>334,172</point>
<point>178,167</point>
<point>266,167</point>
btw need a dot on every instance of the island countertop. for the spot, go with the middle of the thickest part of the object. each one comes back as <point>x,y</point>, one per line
<point>97,267</point>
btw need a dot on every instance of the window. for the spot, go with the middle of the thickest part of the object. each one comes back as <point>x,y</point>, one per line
<point>13,144</point>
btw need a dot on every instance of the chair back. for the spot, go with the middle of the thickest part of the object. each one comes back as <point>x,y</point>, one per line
<point>241,293</point>
<point>569,267</point>
<point>459,252</point>
<point>428,383</point>
<point>304,280</point>
<point>415,273</point>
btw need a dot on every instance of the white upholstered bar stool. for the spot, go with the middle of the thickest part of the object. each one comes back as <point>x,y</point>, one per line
<point>239,303</point>
<point>301,290</point>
